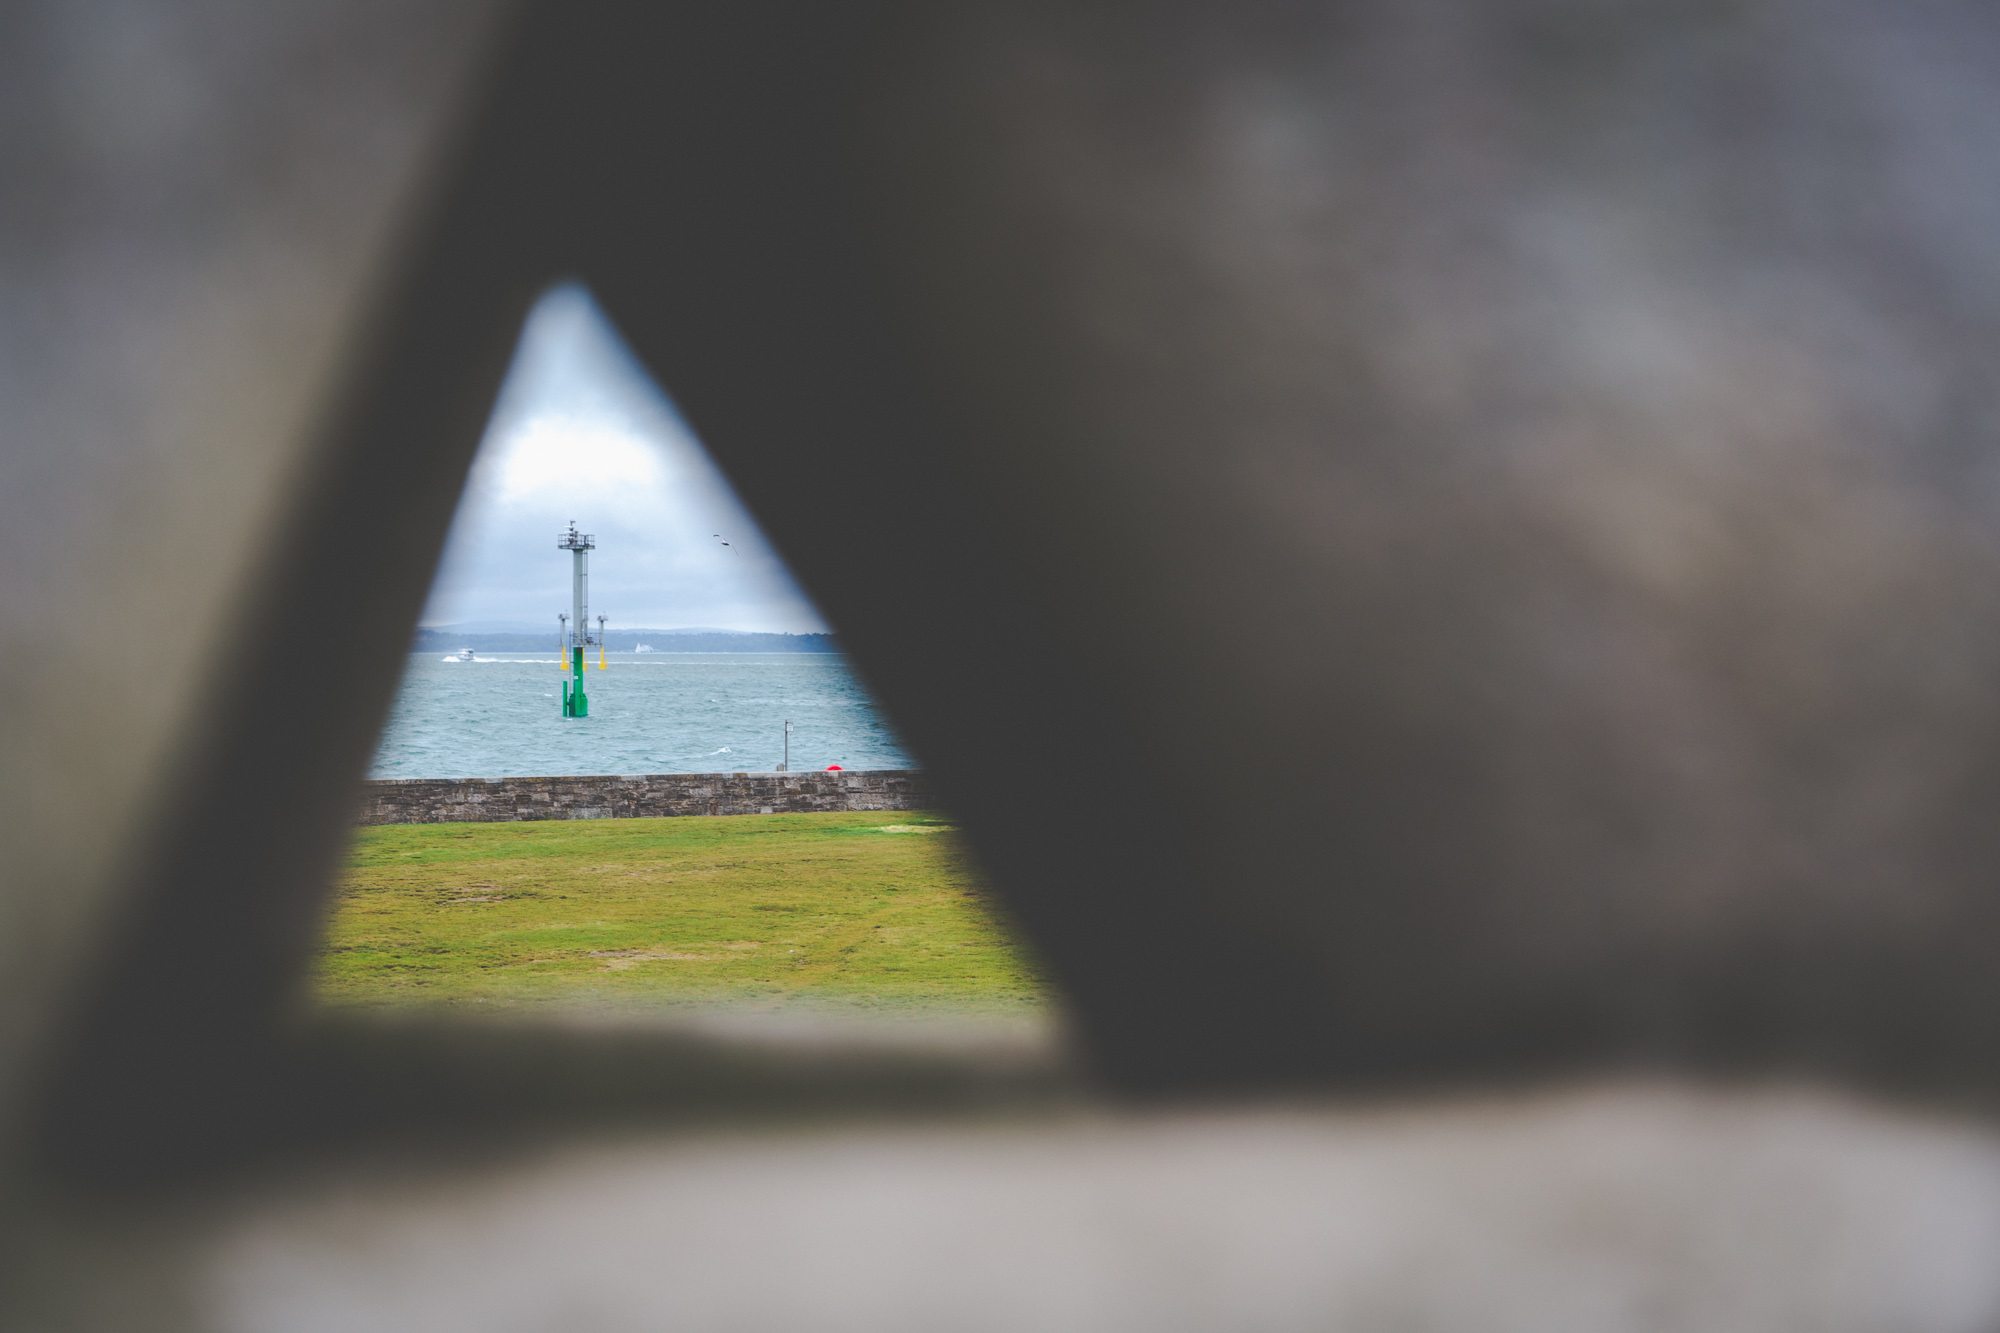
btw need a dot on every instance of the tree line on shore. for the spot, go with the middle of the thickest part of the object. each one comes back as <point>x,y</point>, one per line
<point>624,641</point>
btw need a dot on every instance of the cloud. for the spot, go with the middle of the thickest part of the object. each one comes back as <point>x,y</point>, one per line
<point>581,432</point>
<point>550,457</point>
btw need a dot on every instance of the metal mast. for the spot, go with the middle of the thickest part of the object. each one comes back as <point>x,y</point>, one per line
<point>578,544</point>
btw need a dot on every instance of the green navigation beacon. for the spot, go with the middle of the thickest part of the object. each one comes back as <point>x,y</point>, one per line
<point>576,640</point>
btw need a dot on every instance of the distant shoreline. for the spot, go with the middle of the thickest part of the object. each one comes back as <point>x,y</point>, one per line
<point>625,641</point>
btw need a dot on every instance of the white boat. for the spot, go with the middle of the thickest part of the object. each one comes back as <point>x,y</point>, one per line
<point>464,655</point>
<point>643,648</point>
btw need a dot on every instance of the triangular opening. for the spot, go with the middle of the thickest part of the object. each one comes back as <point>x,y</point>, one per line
<point>669,846</point>
<point>684,595</point>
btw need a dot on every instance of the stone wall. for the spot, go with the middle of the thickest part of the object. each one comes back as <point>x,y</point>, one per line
<point>492,800</point>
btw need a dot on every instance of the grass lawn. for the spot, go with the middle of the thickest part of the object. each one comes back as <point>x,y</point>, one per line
<point>876,911</point>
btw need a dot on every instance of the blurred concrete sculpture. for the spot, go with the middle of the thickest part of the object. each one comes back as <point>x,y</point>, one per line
<point>1532,461</point>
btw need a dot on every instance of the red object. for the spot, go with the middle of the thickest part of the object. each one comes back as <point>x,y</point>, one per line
<point>833,768</point>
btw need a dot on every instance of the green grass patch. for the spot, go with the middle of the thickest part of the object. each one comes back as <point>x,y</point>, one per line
<point>849,910</point>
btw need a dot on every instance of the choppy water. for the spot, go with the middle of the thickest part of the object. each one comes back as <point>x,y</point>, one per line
<point>501,716</point>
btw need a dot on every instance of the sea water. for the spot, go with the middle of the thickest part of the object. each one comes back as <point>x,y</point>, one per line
<point>500,715</point>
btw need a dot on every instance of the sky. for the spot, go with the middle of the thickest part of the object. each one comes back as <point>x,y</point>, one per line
<point>581,431</point>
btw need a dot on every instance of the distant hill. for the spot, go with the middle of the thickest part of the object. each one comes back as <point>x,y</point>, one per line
<point>450,640</point>
<point>548,627</point>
